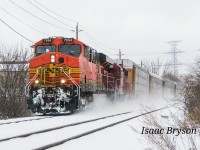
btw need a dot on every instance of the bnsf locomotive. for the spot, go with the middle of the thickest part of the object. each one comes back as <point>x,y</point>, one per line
<point>65,74</point>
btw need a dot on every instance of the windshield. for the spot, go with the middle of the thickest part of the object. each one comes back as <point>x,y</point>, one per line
<point>72,50</point>
<point>42,49</point>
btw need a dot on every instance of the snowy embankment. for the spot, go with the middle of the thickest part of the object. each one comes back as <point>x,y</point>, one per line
<point>123,136</point>
<point>128,135</point>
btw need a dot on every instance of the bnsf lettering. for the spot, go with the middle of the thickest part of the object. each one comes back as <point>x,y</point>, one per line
<point>53,70</point>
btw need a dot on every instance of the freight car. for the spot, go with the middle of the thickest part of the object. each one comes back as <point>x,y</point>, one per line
<point>144,83</point>
<point>169,89</point>
<point>138,78</point>
<point>155,85</point>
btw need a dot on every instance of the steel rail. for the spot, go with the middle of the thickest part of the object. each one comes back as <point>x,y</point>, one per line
<point>25,120</point>
<point>60,127</point>
<point>94,130</point>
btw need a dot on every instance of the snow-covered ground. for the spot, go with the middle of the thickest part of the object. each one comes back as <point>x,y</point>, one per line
<point>126,136</point>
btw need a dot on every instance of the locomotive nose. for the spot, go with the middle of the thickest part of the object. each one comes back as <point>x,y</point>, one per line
<point>61,60</point>
<point>62,81</point>
<point>53,58</point>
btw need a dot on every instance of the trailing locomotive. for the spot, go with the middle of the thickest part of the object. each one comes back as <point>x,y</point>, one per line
<point>65,74</point>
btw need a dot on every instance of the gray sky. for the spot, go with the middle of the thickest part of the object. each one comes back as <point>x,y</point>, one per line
<point>140,28</point>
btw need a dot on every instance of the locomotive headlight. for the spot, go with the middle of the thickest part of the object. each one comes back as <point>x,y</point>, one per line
<point>36,81</point>
<point>62,81</point>
<point>53,58</point>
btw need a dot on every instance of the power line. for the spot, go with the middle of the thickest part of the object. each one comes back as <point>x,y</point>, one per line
<point>49,14</point>
<point>16,31</point>
<point>55,12</point>
<point>76,29</point>
<point>102,47</point>
<point>23,22</point>
<point>96,40</point>
<point>87,34</point>
<point>38,17</point>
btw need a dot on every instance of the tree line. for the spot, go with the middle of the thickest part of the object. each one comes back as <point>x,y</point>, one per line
<point>13,78</point>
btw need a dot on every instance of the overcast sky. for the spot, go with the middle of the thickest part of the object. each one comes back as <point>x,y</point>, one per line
<point>140,28</point>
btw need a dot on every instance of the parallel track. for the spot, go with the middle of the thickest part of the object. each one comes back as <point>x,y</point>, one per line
<point>94,130</point>
<point>47,116</point>
<point>60,127</point>
<point>79,135</point>
<point>25,120</point>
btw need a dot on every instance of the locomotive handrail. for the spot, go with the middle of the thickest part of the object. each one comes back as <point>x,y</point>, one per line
<point>121,79</point>
<point>107,79</point>
<point>74,82</point>
<point>76,85</point>
<point>31,81</point>
<point>117,80</point>
<point>111,81</point>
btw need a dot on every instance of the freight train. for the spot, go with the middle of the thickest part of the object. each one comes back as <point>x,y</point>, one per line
<point>65,73</point>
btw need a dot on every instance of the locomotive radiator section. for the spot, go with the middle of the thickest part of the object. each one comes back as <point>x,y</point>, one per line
<point>54,90</point>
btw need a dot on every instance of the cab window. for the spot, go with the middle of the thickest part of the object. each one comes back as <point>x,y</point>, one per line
<point>86,51</point>
<point>42,49</point>
<point>92,55</point>
<point>71,50</point>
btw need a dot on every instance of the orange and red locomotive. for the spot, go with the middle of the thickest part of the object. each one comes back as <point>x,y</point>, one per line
<point>65,73</point>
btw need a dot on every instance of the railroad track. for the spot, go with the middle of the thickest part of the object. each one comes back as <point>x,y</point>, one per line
<point>60,127</point>
<point>25,120</point>
<point>33,118</point>
<point>95,124</point>
<point>94,130</point>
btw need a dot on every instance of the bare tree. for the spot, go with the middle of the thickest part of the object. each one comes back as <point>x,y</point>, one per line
<point>168,74</point>
<point>192,93</point>
<point>166,141</point>
<point>13,78</point>
<point>153,66</point>
<point>190,118</point>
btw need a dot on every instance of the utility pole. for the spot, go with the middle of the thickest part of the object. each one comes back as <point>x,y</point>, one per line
<point>174,51</point>
<point>77,31</point>
<point>120,55</point>
<point>121,85</point>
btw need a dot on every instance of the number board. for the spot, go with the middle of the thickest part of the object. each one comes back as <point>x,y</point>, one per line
<point>68,40</point>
